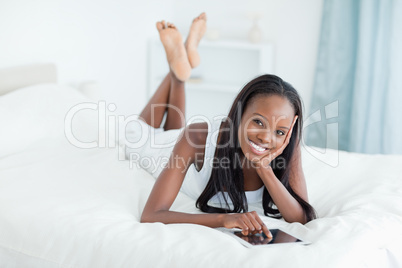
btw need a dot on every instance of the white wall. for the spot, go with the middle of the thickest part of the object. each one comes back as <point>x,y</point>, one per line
<point>106,40</point>
<point>100,40</point>
<point>292,25</point>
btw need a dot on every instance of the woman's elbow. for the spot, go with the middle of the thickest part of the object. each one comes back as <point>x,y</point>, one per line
<point>146,217</point>
<point>302,219</point>
<point>149,216</point>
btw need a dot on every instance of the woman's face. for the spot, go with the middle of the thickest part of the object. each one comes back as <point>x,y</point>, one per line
<point>264,126</point>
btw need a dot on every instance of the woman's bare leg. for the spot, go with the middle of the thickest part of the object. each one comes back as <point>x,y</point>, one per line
<point>155,109</point>
<point>197,31</point>
<point>170,95</point>
<point>176,107</point>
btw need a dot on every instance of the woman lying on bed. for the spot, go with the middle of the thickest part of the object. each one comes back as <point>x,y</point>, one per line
<point>255,155</point>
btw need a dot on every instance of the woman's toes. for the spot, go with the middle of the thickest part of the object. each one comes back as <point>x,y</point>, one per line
<point>202,16</point>
<point>159,26</point>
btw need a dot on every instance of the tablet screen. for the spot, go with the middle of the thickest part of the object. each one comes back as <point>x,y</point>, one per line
<point>278,237</point>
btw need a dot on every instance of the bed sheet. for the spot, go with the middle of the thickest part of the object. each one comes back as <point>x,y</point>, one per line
<point>61,206</point>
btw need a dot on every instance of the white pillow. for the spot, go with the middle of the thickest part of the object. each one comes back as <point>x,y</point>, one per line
<point>34,113</point>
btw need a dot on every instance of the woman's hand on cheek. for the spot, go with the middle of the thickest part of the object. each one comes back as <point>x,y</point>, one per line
<point>263,165</point>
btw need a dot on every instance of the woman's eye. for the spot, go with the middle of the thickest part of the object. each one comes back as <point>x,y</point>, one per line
<point>280,132</point>
<point>258,122</point>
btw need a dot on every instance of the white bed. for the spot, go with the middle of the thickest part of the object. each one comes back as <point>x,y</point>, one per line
<point>62,206</point>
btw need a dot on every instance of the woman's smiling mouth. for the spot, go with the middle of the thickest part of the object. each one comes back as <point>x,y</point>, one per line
<point>257,149</point>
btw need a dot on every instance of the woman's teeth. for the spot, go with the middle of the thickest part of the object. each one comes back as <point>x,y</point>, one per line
<point>258,148</point>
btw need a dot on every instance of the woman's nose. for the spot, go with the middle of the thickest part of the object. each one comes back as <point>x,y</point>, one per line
<point>264,136</point>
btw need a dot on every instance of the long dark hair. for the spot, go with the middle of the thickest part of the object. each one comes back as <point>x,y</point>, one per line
<point>231,180</point>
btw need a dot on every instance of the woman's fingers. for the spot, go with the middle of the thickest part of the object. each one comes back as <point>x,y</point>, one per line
<point>256,221</point>
<point>287,140</point>
<point>241,222</point>
<point>243,226</point>
<point>249,226</point>
<point>266,231</point>
<point>280,150</point>
<point>294,121</point>
<point>264,228</point>
<point>291,129</point>
<point>252,224</point>
<point>249,223</point>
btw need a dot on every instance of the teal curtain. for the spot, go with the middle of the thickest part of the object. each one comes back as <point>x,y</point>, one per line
<point>358,80</point>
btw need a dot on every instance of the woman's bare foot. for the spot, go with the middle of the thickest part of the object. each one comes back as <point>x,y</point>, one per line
<point>175,51</point>
<point>197,31</point>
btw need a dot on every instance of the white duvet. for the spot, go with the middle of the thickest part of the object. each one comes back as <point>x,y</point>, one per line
<point>61,206</point>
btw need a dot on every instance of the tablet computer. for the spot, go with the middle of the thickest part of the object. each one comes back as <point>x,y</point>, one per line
<point>278,237</point>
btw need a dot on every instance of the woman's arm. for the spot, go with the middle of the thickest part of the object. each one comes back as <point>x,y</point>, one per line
<point>288,206</point>
<point>296,177</point>
<point>167,186</point>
